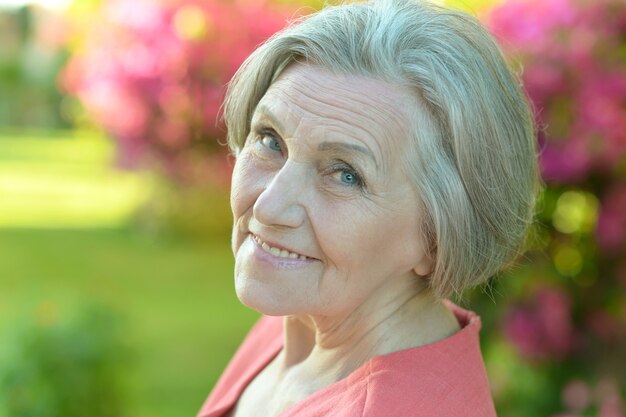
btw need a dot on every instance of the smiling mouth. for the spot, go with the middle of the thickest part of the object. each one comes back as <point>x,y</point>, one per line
<point>280,253</point>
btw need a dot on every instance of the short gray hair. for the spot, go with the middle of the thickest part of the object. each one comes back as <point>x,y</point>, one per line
<point>474,160</point>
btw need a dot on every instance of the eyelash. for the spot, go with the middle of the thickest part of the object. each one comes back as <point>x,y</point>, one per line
<point>268,132</point>
<point>336,166</point>
<point>344,167</point>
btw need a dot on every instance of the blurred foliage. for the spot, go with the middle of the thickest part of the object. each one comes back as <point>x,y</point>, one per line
<point>65,179</point>
<point>52,367</point>
<point>174,298</point>
<point>198,212</point>
<point>555,341</point>
<point>153,75</point>
<point>32,52</point>
<point>474,7</point>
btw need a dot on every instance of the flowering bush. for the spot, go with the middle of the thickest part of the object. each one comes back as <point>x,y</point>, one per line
<point>574,55</point>
<point>575,72</point>
<point>566,322</point>
<point>153,73</point>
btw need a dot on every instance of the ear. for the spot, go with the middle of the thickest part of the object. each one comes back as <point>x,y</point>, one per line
<point>425,266</point>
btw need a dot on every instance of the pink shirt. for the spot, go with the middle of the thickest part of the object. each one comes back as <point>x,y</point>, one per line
<point>446,378</point>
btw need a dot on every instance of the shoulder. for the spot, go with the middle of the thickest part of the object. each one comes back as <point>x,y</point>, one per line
<point>445,378</point>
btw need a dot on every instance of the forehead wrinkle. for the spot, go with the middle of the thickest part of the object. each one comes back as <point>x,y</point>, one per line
<point>398,118</point>
<point>348,100</point>
<point>343,125</point>
<point>386,94</point>
<point>328,145</point>
<point>298,94</point>
<point>380,105</point>
<point>333,127</point>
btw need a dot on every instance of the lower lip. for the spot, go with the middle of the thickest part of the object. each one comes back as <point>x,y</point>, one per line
<point>278,261</point>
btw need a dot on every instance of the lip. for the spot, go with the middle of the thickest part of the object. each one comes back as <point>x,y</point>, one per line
<point>281,247</point>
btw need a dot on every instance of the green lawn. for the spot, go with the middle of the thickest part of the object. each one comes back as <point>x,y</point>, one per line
<point>64,242</point>
<point>66,180</point>
<point>176,299</point>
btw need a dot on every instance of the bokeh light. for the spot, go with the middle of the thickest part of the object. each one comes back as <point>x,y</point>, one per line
<point>576,212</point>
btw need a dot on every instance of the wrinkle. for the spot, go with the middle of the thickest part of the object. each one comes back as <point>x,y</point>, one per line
<point>344,109</point>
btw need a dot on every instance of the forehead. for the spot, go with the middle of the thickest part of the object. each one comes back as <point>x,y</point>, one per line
<point>310,101</point>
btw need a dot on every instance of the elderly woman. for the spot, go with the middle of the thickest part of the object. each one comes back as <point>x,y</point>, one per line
<point>385,160</point>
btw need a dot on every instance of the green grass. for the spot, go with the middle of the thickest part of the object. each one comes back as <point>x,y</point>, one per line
<point>64,242</point>
<point>176,299</point>
<point>66,180</point>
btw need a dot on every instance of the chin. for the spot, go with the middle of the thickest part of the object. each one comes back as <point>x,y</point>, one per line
<point>262,300</point>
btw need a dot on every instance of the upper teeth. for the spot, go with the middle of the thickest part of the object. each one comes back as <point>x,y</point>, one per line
<point>281,253</point>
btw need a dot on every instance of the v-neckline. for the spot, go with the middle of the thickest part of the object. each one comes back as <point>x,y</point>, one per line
<point>245,382</point>
<point>465,319</point>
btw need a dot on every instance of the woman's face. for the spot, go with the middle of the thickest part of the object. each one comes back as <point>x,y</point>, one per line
<point>324,213</point>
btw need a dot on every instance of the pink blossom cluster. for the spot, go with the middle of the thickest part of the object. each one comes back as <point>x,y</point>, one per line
<point>574,69</point>
<point>542,328</point>
<point>153,74</point>
<point>574,57</point>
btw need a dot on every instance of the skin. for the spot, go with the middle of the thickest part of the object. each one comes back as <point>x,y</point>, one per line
<point>322,175</point>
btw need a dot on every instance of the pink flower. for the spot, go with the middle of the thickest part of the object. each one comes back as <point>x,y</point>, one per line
<point>546,79</point>
<point>118,109</point>
<point>153,73</point>
<point>525,22</point>
<point>609,399</point>
<point>567,161</point>
<point>542,328</point>
<point>576,395</point>
<point>575,78</point>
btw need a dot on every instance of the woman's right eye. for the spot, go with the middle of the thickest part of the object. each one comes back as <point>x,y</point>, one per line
<point>269,141</point>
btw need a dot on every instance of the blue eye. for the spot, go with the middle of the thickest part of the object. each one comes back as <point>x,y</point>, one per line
<point>271,143</point>
<point>345,175</point>
<point>349,178</point>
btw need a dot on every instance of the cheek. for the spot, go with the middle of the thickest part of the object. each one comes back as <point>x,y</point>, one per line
<point>245,186</point>
<point>343,232</point>
<point>371,240</point>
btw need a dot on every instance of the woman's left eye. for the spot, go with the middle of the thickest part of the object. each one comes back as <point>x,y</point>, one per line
<point>348,176</point>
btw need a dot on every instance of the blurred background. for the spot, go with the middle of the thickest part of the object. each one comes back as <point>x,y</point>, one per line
<point>116,293</point>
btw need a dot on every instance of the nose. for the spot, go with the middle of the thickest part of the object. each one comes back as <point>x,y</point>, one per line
<point>279,204</point>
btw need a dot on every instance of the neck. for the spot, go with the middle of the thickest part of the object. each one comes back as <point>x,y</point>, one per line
<point>329,348</point>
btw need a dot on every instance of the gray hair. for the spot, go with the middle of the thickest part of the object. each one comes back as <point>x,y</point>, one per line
<point>473,162</point>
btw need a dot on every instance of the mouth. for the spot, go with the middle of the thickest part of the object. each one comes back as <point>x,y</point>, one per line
<point>276,251</point>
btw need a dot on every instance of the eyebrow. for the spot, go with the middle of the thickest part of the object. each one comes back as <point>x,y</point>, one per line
<point>347,147</point>
<point>264,113</point>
